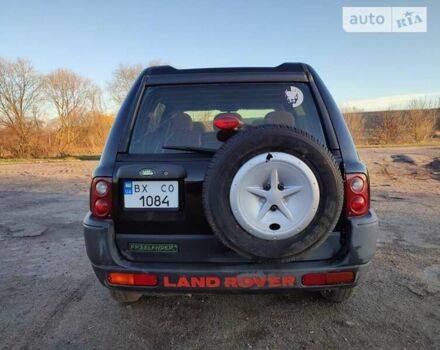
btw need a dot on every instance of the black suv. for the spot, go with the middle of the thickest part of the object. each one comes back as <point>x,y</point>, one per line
<point>230,180</point>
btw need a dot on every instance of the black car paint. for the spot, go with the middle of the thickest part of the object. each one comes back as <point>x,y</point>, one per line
<point>105,240</point>
<point>359,248</point>
<point>335,127</point>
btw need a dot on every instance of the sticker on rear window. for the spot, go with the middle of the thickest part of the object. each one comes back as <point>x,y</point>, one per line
<point>294,96</point>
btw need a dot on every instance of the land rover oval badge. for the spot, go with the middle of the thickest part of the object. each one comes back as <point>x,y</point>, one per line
<point>147,172</point>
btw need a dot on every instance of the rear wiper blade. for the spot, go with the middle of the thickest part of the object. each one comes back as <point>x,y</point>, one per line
<point>191,149</point>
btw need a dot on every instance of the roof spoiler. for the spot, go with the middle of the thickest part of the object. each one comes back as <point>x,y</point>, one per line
<point>284,67</point>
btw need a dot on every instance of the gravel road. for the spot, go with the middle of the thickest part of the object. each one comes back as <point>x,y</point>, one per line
<point>50,298</point>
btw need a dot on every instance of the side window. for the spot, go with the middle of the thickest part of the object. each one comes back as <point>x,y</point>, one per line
<point>146,134</point>
<point>155,117</point>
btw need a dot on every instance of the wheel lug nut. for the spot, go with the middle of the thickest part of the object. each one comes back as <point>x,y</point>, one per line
<point>266,187</point>
<point>273,207</point>
<point>280,187</point>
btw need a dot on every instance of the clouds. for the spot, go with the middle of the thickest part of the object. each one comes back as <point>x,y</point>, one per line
<point>391,102</point>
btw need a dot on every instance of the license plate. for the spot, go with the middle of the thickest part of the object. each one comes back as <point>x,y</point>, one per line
<point>151,194</point>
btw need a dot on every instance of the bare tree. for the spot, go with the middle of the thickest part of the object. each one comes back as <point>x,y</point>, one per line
<point>20,95</point>
<point>124,77</point>
<point>390,128</point>
<point>122,80</point>
<point>72,96</point>
<point>94,131</point>
<point>157,62</point>
<point>421,120</point>
<point>356,125</point>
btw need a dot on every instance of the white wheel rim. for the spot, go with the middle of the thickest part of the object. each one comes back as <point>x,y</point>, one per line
<point>285,209</point>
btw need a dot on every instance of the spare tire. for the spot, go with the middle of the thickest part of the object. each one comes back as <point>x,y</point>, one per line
<point>272,192</point>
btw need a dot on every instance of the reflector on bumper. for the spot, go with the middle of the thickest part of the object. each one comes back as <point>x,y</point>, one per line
<point>132,279</point>
<point>329,278</point>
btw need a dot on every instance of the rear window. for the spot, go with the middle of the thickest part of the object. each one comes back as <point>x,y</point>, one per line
<point>183,115</point>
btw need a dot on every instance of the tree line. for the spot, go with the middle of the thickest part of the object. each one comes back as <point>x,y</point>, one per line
<point>418,123</point>
<point>56,114</point>
<point>79,124</point>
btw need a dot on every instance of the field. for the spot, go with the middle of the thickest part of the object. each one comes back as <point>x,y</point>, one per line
<point>49,296</point>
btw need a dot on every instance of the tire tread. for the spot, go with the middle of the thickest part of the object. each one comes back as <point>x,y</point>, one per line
<point>231,144</point>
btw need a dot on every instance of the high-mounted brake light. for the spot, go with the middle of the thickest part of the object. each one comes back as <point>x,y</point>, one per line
<point>357,195</point>
<point>227,122</point>
<point>132,279</point>
<point>101,197</point>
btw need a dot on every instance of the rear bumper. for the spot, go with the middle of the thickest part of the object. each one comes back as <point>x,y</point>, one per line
<point>355,255</point>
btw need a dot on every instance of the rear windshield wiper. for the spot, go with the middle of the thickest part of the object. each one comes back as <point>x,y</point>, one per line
<point>191,149</point>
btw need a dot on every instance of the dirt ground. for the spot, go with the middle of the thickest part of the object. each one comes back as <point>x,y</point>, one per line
<point>50,298</point>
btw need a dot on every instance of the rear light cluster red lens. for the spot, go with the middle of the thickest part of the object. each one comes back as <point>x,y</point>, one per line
<point>357,195</point>
<point>132,279</point>
<point>329,278</point>
<point>101,197</point>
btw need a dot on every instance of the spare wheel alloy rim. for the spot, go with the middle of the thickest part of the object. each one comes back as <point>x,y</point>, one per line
<point>274,196</point>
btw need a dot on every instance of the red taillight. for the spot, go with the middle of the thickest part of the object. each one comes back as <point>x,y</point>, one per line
<point>357,204</point>
<point>101,197</point>
<point>227,122</point>
<point>102,207</point>
<point>132,279</point>
<point>357,195</point>
<point>329,278</point>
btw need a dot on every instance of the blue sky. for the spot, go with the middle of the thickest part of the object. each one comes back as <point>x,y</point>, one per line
<point>93,37</point>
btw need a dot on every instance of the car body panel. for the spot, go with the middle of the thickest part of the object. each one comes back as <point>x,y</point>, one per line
<point>102,250</point>
<point>349,248</point>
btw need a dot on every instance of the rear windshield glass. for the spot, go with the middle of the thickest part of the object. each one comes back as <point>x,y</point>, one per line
<point>182,116</point>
